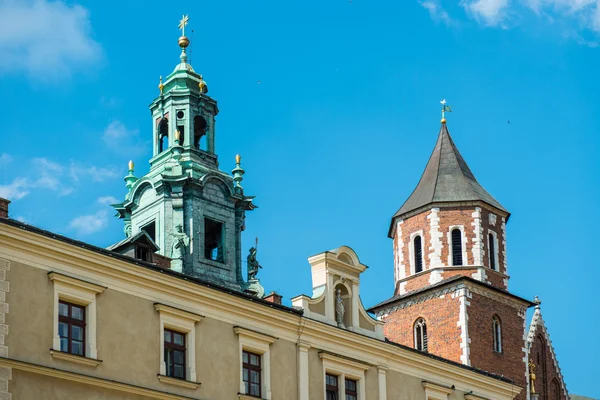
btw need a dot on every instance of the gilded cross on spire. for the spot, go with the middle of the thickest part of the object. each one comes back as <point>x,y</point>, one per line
<point>183,23</point>
<point>444,109</point>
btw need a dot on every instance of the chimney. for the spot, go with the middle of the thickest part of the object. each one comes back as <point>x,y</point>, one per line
<point>273,298</point>
<point>4,207</point>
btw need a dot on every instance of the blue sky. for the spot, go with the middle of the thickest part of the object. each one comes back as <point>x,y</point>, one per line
<point>336,134</point>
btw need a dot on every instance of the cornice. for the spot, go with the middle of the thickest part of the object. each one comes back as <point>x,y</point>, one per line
<point>426,295</point>
<point>81,284</point>
<point>253,334</point>
<point>88,380</point>
<point>165,309</point>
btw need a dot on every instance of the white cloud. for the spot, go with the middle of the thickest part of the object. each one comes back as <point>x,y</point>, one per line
<point>15,190</point>
<point>50,175</point>
<point>48,39</point>
<point>95,174</point>
<point>123,140</point>
<point>88,224</point>
<point>487,12</point>
<point>108,200</point>
<point>436,11</point>
<point>5,159</point>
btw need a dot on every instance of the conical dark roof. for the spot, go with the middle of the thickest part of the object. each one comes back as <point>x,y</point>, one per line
<point>447,178</point>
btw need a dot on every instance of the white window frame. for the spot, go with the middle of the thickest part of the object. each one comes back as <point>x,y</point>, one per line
<point>423,336</point>
<point>463,243</point>
<point>497,338</point>
<point>344,368</point>
<point>259,343</point>
<point>495,255</point>
<point>183,322</point>
<point>411,251</point>
<point>82,293</point>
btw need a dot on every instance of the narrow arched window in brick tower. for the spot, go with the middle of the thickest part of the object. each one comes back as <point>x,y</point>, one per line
<point>497,332</point>
<point>418,254</point>
<point>457,258</point>
<point>492,255</point>
<point>421,335</point>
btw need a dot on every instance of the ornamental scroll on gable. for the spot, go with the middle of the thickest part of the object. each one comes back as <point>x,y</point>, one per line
<point>335,299</point>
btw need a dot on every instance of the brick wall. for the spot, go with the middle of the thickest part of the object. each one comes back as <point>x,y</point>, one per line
<point>4,207</point>
<point>548,380</point>
<point>510,361</point>
<point>441,316</point>
<point>449,217</point>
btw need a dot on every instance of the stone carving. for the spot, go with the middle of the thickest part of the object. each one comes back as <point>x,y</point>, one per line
<point>253,265</point>
<point>340,310</point>
<point>181,240</point>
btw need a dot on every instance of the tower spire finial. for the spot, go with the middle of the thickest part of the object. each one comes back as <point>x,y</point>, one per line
<point>444,109</point>
<point>183,40</point>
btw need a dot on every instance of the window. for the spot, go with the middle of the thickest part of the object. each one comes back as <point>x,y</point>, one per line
<point>418,254</point>
<point>457,258</point>
<point>163,135</point>
<point>497,332</point>
<point>150,229</point>
<point>351,389</point>
<point>74,333</point>
<point>331,387</point>
<point>421,335</point>
<point>251,373</point>
<point>343,378</point>
<point>177,346</point>
<point>255,363</point>
<point>174,354</point>
<point>143,253</point>
<point>71,328</point>
<point>213,240</point>
<point>492,247</point>
<point>199,130</point>
<point>181,130</point>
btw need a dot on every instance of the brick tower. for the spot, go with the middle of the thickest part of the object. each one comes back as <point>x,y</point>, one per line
<point>451,293</point>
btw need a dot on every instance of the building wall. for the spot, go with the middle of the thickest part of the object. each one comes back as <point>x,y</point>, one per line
<point>29,386</point>
<point>510,362</point>
<point>441,315</point>
<point>128,334</point>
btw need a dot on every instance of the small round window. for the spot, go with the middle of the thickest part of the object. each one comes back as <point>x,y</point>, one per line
<point>180,114</point>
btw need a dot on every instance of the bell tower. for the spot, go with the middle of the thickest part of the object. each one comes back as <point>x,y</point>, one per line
<point>193,211</point>
<point>451,293</point>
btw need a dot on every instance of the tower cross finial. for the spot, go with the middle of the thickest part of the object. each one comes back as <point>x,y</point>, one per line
<point>183,23</point>
<point>444,109</point>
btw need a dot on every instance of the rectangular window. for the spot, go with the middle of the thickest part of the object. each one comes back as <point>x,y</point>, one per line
<point>71,328</point>
<point>331,387</point>
<point>175,354</point>
<point>150,229</point>
<point>351,389</point>
<point>143,253</point>
<point>252,370</point>
<point>213,240</point>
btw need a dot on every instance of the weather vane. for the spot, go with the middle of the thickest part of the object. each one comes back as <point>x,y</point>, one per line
<point>444,109</point>
<point>183,23</point>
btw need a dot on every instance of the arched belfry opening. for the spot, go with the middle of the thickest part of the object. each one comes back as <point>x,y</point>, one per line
<point>200,127</point>
<point>163,135</point>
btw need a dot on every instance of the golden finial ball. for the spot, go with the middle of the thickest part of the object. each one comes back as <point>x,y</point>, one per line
<point>443,120</point>
<point>130,165</point>
<point>238,158</point>
<point>183,42</point>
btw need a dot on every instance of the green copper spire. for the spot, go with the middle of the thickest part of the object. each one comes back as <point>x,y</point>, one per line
<point>193,211</point>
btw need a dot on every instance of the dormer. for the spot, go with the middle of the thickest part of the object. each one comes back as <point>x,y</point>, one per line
<point>335,299</point>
